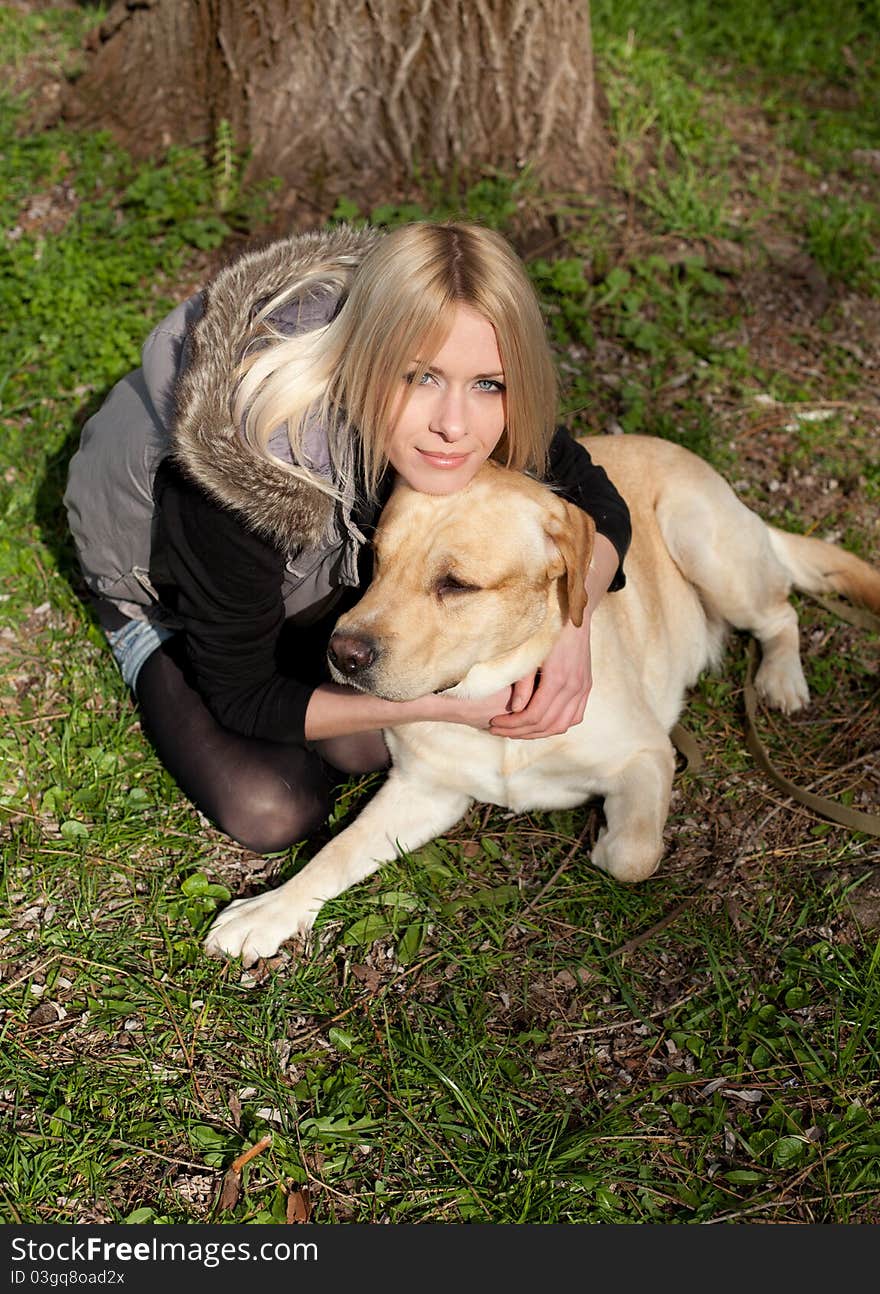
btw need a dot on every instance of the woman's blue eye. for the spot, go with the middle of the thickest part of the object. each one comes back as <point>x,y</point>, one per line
<point>489,385</point>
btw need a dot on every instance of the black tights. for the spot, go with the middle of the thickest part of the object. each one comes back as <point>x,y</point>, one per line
<point>264,794</point>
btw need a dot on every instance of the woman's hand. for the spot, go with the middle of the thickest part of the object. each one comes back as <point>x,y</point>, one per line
<point>474,712</point>
<point>551,701</point>
<point>554,699</point>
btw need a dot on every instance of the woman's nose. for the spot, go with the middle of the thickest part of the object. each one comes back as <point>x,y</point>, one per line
<point>448,418</point>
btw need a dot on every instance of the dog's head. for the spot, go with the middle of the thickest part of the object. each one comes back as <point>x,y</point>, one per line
<point>463,580</point>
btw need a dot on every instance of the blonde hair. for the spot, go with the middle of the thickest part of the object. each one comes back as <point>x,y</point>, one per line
<point>400,307</point>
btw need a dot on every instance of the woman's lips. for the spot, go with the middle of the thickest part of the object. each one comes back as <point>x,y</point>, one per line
<point>445,461</point>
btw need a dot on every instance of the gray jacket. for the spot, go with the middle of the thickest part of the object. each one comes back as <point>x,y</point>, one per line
<point>178,403</point>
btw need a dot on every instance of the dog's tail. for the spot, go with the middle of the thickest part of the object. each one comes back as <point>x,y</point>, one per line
<point>818,567</point>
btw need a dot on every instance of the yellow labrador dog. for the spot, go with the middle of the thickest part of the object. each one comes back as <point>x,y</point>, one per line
<point>469,593</point>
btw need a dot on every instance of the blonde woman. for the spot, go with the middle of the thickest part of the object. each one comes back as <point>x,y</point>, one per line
<point>222,499</point>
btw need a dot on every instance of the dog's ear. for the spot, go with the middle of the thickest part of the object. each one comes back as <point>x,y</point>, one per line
<point>572,537</point>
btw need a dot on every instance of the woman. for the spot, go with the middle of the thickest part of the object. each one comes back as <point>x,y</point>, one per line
<point>222,498</point>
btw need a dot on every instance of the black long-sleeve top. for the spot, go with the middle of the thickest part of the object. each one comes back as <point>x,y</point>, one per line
<point>255,672</point>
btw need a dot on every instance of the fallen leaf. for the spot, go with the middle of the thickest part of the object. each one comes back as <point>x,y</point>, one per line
<point>371,978</point>
<point>45,1013</point>
<point>751,1095</point>
<point>230,1190</point>
<point>299,1205</point>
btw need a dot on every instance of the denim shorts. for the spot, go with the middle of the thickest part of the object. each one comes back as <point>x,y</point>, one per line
<point>133,643</point>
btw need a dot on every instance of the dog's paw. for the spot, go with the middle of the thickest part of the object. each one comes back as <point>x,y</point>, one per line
<point>781,684</point>
<point>254,928</point>
<point>626,858</point>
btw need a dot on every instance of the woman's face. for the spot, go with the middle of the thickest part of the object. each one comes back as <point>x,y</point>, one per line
<point>454,418</point>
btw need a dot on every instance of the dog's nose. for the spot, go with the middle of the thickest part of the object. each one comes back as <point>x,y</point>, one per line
<point>350,655</point>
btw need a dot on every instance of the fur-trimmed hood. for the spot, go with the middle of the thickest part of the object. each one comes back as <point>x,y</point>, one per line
<point>206,442</point>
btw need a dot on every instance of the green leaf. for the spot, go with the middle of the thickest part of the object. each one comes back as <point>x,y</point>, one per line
<point>433,860</point>
<point>797,997</point>
<point>204,1137</point>
<point>198,886</point>
<point>680,1114</point>
<point>367,930</point>
<point>59,1118</point>
<point>73,830</point>
<point>390,213</point>
<point>145,1214</point>
<point>52,801</point>
<point>617,281</point>
<point>109,1005</point>
<point>493,898</point>
<point>341,1040</point>
<point>86,797</point>
<point>398,899</point>
<point>194,885</point>
<point>214,1145</point>
<point>746,1176</point>
<point>347,210</point>
<point>535,1036</point>
<point>333,1129</point>
<point>606,1199</point>
<point>789,1151</point>
<point>409,945</point>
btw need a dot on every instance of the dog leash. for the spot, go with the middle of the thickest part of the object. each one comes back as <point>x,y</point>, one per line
<point>855,819</point>
<point>842,814</point>
<point>686,745</point>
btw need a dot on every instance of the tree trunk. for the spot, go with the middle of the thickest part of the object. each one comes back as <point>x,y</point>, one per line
<point>353,97</point>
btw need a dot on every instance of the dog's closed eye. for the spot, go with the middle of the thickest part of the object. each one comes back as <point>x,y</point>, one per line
<point>448,584</point>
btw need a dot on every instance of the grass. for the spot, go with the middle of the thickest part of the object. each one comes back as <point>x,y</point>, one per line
<point>489,1030</point>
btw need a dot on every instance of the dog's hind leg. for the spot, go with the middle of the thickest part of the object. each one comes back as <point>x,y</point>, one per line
<point>724,550</point>
<point>401,816</point>
<point>636,806</point>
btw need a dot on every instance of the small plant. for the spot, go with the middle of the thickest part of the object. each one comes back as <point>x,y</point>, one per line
<point>225,166</point>
<point>843,237</point>
<point>492,201</point>
<point>567,298</point>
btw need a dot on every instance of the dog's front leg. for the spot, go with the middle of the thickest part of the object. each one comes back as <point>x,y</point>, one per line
<point>636,807</point>
<point>402,816</point>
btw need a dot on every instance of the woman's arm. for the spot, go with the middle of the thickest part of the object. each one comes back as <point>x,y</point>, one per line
<point>335,711</point>
<point>555,699</point>
<point>224,583</point>
<point>575,476</point>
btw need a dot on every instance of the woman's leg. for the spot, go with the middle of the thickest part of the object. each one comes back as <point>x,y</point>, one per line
<point>362,752</point>
<point>264,794</point>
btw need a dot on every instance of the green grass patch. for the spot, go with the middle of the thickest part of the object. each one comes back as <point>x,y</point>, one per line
<point>842,237</point>
<point>25,34</point>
